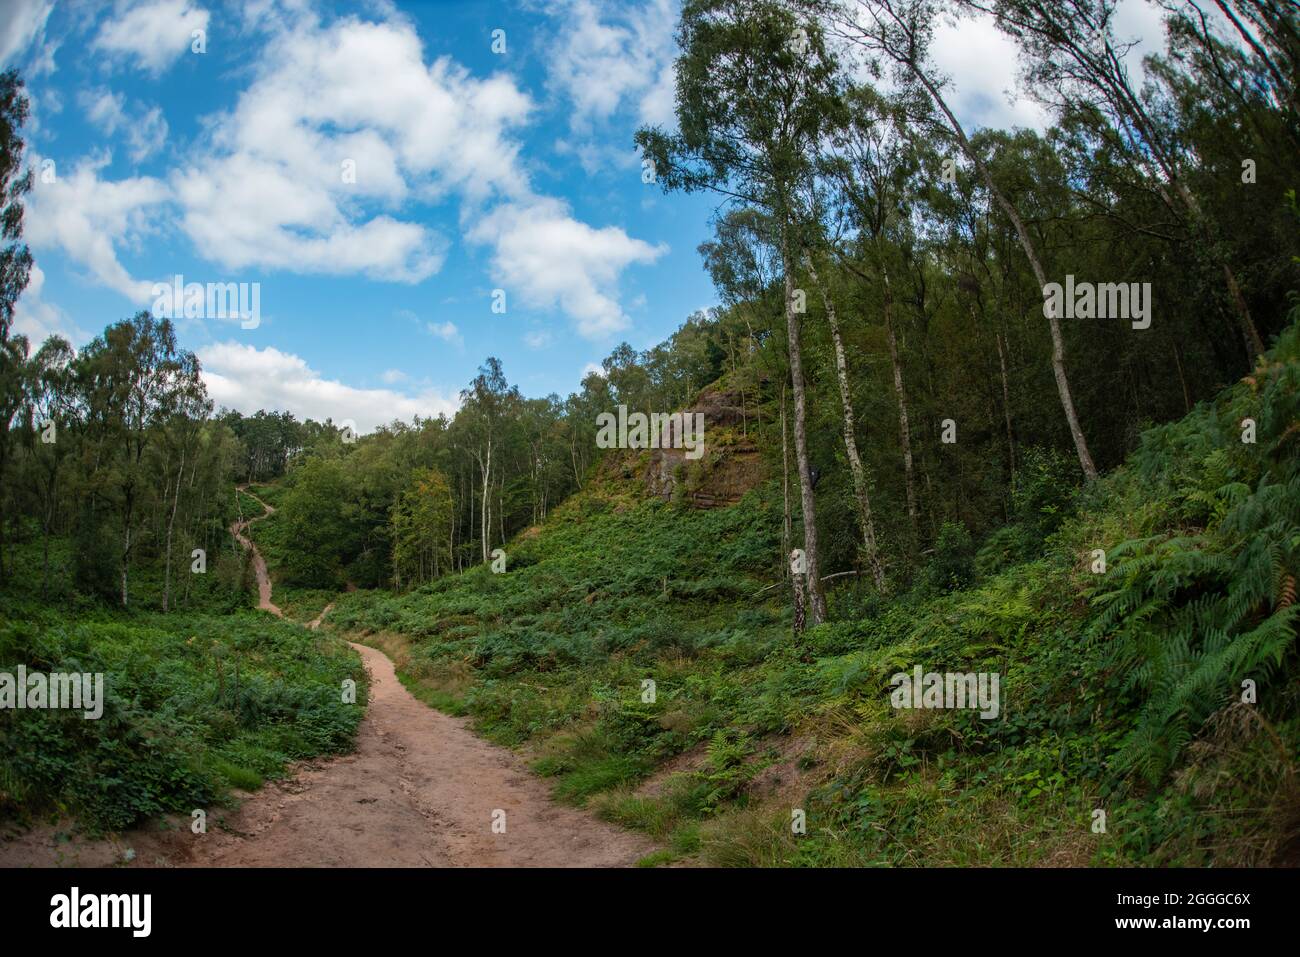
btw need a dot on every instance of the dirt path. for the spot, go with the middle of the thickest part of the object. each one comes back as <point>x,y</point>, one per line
<point>259,563</point>
<point>419,790</point>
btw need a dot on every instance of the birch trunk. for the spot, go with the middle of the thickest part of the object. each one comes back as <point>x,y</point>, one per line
<point>1026,243</point>
<point>816,598</point>
<point>861,491</point>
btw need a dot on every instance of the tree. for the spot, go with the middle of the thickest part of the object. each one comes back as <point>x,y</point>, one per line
<point>15,267</point>
<point>1072,53</point>
<point>133,379</point>
<point>317,523</point>
<point>487,402</point>
<point>869,161</point>
<point>901,30</point>
<point>51,411</point>
<point>421,521</point>
<point>755,88</point>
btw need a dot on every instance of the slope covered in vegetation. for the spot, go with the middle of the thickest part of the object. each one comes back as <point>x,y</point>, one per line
<point>194,704</point>
<point>208,697</point>
<point>1121,691</point>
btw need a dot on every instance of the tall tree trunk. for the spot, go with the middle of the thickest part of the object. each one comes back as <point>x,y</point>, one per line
<point>1027,244</point>
<point>860,488</point>
<point>126,558</point>
<point>4,512</point>
<point>1006,405</point>
<point>816,597</point>
<point>171,524</point>
<point>904,418</point>
<point>45,545</point>
<point>787,533</point>
<point>1178,362</point>
<point>485,514</point>
<point>573,457</point>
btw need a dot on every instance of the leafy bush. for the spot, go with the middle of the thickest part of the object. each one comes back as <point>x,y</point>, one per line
<point>952,565</point>
<point>193,704</point>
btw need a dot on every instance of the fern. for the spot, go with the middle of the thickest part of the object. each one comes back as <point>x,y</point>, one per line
<point>1184,616</point>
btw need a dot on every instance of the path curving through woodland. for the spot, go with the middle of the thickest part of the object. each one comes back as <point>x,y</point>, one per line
<point>419,790</point>
<point>259,563</point>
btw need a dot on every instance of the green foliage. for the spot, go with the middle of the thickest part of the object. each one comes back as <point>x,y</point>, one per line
<point>1188,614</point>
<point>193,705</point>
<point>952,565</point>
<point>1043,491</point>
<point>1098,678</point>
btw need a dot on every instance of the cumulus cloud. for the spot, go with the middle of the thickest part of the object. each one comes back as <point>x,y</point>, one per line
<point>342,128</point>
<point>605,58</point>
<point>150,34</point>
<point>551,259</point>
<point>337,117</point>
<point>89,218</point>
<point>144,130</point>
<point>981,61</point>
<point>246,378</point>
<point>984,64</point>
<point>446,331</point>
<point>538,338</point>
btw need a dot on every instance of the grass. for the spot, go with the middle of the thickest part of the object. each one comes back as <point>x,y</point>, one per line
<point>614,591</point>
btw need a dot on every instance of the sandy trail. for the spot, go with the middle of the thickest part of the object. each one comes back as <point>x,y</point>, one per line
<point>259,563</point>
<point>419,790</point>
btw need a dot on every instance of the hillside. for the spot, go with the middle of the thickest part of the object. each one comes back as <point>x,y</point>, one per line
<point>1121,691</point>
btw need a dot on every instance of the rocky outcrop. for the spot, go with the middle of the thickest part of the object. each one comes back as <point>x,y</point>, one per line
<point>729,467</point>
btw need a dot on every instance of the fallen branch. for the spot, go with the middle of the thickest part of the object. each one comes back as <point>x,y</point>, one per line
<point>824,578</point>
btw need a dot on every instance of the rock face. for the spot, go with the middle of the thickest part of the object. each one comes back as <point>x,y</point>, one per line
<point>730,466</point>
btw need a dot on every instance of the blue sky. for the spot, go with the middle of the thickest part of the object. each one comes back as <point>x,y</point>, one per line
<point>475,170</point>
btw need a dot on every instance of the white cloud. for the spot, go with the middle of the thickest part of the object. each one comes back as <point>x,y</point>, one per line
<point>592,368</point>
<point>246,378</point>
<point>1143,23</point>
<point>268,184</point>
<point>393,376</point>
<point>550,258</point>
<point>23,22</point>
<point>351,101</point>
<point>38,320</point>
<point>985,67</point>
<point>89,218</point>
<point>145,131</point>
<point>538,338</point>
<point>153,33</point>
<point>104,108</point>
<point>606,58</point>
<point>446,331</point>
<point>147,134</point>
<point>982,63</point>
